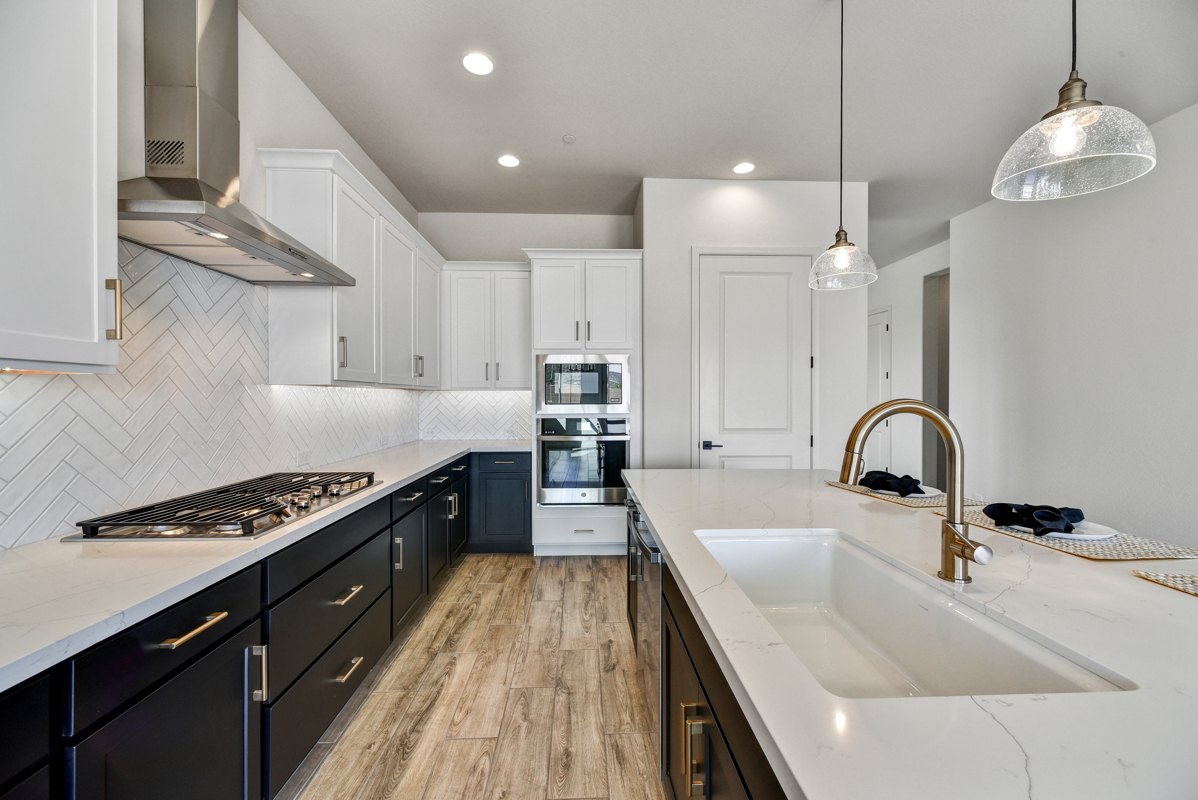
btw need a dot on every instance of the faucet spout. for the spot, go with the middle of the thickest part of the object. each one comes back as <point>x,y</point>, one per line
<point>957,549</point>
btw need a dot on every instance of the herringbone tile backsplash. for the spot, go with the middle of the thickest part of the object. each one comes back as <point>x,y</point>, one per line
<point>189,408</point>
<point>476,415</point>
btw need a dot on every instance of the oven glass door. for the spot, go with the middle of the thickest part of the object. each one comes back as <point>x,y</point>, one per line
<point>584,384</point>
<point>581,460</point>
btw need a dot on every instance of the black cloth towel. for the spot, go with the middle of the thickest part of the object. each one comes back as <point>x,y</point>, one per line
<point>881,481</point>
<point>1041,519</point>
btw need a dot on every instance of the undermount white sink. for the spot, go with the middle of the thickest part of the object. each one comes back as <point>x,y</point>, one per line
<point>866,628</point>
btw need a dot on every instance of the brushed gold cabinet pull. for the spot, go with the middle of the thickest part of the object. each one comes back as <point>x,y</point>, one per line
<point>588,330</point>
<point>355,661</point>
<point>348,597</point>
<point>118,332</point>
<point>457,469</point>
<point>212,619</point>
<point>263,694</point>
<point>692,727</point>
<point>416,496</point>
<point>505,462</point>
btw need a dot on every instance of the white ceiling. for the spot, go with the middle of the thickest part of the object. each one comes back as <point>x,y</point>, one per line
<point>936,90</point>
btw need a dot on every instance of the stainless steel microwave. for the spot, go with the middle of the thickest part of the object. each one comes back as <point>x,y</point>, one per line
<point>577,384</point>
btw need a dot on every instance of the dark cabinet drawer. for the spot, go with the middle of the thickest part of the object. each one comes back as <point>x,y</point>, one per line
<point>504,462</point>
<point>197,737</point>
<point>302,626</point>
<point>409,498</point>
<point>24,727</point>
<point>407,565</point>
<point>296,720</point>
<point>115,671</point>
<point>35,787</point>
<point>439,481</point>
<point>289,569</point>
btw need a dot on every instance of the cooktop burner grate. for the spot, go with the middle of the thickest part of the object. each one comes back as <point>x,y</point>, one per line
<point>229,508</point>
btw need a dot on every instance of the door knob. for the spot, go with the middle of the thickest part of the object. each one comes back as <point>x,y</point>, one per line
<point>709,445</point>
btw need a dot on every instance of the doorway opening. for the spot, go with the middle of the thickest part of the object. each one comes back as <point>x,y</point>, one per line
<point>935,373</point>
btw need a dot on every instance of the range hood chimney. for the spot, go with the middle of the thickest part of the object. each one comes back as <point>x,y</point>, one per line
<point>187,203</point>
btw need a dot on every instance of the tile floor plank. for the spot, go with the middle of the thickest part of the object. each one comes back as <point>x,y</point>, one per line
<point>539,644</point>
<point>480,710</point>
<point>347,767</point>
<point>406,761</point>
<point>578,617</point>
<point>496,569</point>
<point>461,585</point>
<point>466,635</point>
<point>522,753</point>
<point>632,767</point>
<point>577,758</point>
<point>550,579</point>
<point>462,770</point>
<point>579,568</point>
<point>623,703</point>
<point>409,667</point>
<point>611,588</point>
<point>513,603</point>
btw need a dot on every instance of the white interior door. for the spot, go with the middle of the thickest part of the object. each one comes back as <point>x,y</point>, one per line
<point>470,330</point>
<point>754,362</point>
<point>877,388</point>
<point>355,239</point>
<point>397,306</point>
<point>513,330</point>
<point>428,321</point>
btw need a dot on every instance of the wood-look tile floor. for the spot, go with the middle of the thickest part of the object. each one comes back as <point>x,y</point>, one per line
<point>520,682</point>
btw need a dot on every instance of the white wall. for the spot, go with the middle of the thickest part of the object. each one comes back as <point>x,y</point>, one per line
<point>501,237</point>
<point>679,214</point>
<point>899,287</point>
<point>1074,358</point>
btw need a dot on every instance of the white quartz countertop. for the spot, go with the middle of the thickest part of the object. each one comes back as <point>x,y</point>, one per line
<point>59,598</point>
<point>1120,744</point>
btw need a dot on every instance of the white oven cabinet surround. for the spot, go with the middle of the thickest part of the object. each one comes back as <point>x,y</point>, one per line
<point>59,598</point>
<point>586,300</point>
<point>59,128</point>
<point>486,325</point>
<point>1122,744</point>
<point>384,331</point>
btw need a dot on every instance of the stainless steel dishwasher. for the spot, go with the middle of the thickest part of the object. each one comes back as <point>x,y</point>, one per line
<point>644,615</point>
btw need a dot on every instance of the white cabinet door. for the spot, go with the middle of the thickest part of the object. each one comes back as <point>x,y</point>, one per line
<point>612,305</point>
<point>58,212</point>
<point>513,330</point>
<point>397,307</point>
<point>428,321</point>
<point>470,330</point>
<point>557,304</point>
<point>355,245</point>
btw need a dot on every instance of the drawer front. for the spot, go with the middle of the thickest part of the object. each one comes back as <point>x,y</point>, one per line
<point>503,462</point>
<point>295,566</point>
<point>108,675</point>
<point>439,481</point>
<point>583,530</point>
<point>407,565</point>
<point>409,498</point>
<point>35,787</point>
<point>303,625</point>
<point>296,720</point>
<point>24,727</point>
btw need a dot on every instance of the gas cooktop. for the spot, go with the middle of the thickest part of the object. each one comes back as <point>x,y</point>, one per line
<point>243,510</point>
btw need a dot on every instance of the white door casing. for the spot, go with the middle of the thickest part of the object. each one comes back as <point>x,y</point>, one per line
<point>754,351</point>
<point>470,326</point>
<point>513,330</point>
<point>878,383</point>
<point>397,287</point>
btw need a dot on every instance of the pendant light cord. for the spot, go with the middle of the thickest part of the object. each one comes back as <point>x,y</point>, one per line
<point>1073,68</point>
<point>842,110</point>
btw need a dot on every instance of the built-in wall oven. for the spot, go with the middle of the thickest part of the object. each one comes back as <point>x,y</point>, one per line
<point>644,614</point>
<point>579,384</point>
<point>580,459</point>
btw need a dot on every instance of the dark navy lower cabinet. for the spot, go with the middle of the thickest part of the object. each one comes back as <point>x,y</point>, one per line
<point>196,737</point>
<point>459,515</point>
<point>437,542</point>
<point>25,731</point>
<point>500,503</point>
<point>35,787</point>
<point>407,566</point>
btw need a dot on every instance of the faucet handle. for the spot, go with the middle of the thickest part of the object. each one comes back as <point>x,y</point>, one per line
<point>965,547</point>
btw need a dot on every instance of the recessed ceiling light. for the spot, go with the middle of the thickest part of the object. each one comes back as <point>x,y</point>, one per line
<point>307,274</point>
<point>509,161</point>
<point>743,167</point>
<point>477,63</point>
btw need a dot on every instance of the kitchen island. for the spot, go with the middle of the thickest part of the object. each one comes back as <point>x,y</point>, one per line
<point>1137,741</point>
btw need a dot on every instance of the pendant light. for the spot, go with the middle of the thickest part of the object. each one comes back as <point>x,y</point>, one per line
<point>1080,146</point>
<point>844,265</point>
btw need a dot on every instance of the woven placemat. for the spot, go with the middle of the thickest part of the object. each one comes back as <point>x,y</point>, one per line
<point>913,501</point>
<point>1120,547</point>
<point>1182,583</point>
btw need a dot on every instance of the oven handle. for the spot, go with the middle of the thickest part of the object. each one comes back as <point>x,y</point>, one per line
<point>605,438</point>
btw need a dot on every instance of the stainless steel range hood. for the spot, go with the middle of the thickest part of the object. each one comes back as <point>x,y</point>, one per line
<point>187,204</point>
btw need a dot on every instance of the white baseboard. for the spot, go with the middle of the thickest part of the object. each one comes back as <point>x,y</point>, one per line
<point>594,549</point>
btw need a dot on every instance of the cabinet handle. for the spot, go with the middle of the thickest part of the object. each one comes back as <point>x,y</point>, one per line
<point>171,644</point>
<point>419,373</point>
<point>633,574</point>
<point>412,498</point>
<point>487,372</point>
<point>263,694</point>
<point>399,564</point>
<point>442,479</point>
<point>452,500</point>
<point>588,330</point>
<point>505,462</point>
<point>496,370</point>
<point>584,530</point>
<point>348,597</point>
<point>457,469</point>
<point>344,341</point>
<point>576,330</point>
<point>692,727</point>
<point>356,662</point>
<point>118,332</point>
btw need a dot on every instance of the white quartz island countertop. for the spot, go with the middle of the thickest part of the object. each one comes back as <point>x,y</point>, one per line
<point>59,598</point>
<point>1141,743</point>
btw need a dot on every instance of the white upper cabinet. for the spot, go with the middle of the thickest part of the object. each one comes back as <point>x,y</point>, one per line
<point>58,106</point>
<point>488,325</point>
<point>384,330</point>
<point>586,300</point>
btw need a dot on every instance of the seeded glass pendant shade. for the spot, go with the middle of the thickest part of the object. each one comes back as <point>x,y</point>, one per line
<point>1081,146</point>
<point>844,265</point>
